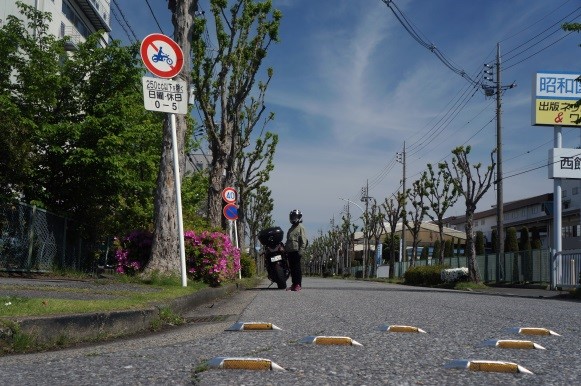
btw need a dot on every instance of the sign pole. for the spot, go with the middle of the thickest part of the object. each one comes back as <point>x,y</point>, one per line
<point>176,168</point>
<point>557,215</point>
<point>237,247</point>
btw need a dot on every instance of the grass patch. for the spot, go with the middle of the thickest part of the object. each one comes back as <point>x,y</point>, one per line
<point>468,285</point>
<point>123,300</point>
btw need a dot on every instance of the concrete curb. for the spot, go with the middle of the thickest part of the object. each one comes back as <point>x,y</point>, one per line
<point>66,329</point>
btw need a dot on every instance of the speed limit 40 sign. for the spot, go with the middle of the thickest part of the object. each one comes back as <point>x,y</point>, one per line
<point>229,195</point>
<point>164,95</point>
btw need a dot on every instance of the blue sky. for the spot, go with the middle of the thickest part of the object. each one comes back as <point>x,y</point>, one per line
<point>351,85</point>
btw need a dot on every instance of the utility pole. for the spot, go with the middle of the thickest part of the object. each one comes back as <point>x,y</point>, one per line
<point>365,197</point>
<point>489,91</point>
<point>499,197</point>
<point>400,157</point>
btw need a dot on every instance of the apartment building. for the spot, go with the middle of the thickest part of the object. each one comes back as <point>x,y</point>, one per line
<point>76,19</point>
<point>534,212</point>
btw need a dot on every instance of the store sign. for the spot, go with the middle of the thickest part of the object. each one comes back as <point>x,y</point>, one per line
<point>555,95</point>
<point>565,163</point>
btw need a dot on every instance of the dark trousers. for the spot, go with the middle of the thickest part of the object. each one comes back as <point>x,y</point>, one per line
<point>294,261</point>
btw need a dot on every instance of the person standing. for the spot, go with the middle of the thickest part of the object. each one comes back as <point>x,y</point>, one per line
<point>296,241</point>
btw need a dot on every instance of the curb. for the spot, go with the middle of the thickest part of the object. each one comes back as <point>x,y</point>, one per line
<point>61,330</point>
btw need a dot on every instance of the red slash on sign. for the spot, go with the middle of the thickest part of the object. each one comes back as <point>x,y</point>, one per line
<point>162,56</point>
<point>231,212</point>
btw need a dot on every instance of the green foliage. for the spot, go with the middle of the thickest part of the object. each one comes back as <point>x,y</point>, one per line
<point>524,240</point>
<point>511,242</point>
<point>424,275</point>
<point>479,243</point>
<point>494,241</point>
<point>247,265</point>
<point>76,139</point>
<point>437,248</point>
<point>536,242</point>
<point>448,248</point>
<point>425,253</point>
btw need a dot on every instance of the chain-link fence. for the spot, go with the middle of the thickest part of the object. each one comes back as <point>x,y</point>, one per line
<point>34,240</point>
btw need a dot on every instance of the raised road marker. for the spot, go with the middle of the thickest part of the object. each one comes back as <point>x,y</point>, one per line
<point>330,340</point>
<point>252,326</point>
<point>532,331</point>
<point>399,328</point>
<point>487,366</point>
<point>234,363</point>
<point>510,343</point>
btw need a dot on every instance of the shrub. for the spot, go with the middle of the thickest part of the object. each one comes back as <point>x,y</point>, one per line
<point>133,252</point>
<point>454,275</point>
<point>424,275</point>
<point>211,257</point>
<point>248,265</point>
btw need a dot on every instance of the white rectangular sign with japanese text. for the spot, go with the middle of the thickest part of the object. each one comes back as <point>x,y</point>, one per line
<point>565,163</point>
<point>164,95</point>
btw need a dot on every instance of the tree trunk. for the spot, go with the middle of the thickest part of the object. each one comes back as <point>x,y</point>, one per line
<point>470,250</point>
<point>165,245</point>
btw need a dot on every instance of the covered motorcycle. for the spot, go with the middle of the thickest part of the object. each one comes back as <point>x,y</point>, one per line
<point>275,259</point>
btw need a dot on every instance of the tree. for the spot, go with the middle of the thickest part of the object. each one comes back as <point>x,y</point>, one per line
<point>536,242</point>
<point>259,209</point>
<point>223,80</point>
<point>374,220</point>
<point>494,241</point>
<point>524,247</point>
<point>165,258</point>
<point>472,184</point>
<point>511,245</point>
<point>83,147</point>
<point>416,195</point>
<point>393,210</point>
<point>449,248</point>
<point>441,194</point>
<point>479,243</point>
<point>511,242</point>
<point>253,169</point>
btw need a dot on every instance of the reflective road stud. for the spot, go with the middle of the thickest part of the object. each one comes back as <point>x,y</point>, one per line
<point>243,364</point>
<point>509,343</point>
<point>397,328</point>
<point>532,331</point>
<point>252,326</point>
<point>488,366</point>
<point>331,340</point>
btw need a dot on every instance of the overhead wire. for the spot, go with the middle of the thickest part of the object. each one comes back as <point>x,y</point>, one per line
<point>125,19</point>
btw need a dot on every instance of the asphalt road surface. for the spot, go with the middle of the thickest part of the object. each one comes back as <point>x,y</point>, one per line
<point>456,325</point>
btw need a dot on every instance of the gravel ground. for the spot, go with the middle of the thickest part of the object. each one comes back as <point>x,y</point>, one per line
<point>456,324</point>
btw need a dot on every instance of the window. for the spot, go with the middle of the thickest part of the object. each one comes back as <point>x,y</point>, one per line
<point>575,190</point>
<point>564,193</point>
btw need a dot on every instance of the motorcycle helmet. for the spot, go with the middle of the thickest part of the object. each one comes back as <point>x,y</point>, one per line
<point>295,216</point>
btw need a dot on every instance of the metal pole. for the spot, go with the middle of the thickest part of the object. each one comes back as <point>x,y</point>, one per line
<point>557,216</point>
<point>403,252</point>
<point>176,168</point>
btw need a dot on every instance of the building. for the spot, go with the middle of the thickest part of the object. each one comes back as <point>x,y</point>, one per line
<point>534,212</point>
<point>76,19</point>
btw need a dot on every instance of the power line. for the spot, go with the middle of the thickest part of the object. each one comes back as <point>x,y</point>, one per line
<point>400,16</point>
<point>154,18</point>
<point>126,22</point>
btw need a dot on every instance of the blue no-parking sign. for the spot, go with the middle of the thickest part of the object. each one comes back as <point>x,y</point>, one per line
<point>230,212</point>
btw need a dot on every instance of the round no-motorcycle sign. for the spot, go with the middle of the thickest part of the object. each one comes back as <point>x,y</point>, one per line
<point>162,56</point>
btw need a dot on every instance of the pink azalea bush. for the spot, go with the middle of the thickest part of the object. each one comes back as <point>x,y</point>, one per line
<point>133,252</point>
<point>211,257</point>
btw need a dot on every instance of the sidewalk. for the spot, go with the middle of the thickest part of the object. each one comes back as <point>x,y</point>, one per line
<point>51,330</point>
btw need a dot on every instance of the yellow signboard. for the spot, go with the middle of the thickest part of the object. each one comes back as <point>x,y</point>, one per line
<point>556,98</point>
<point>556,112</point>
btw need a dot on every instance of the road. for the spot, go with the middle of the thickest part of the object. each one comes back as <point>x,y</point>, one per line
<point>456,323</point>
